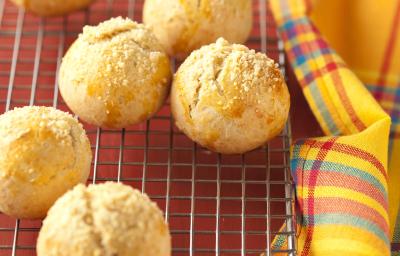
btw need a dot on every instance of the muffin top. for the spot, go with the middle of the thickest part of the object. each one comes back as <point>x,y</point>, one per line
<point>229,98</point>
<point>115,74</point>
<point>104,219</point>
<point>39,143</point>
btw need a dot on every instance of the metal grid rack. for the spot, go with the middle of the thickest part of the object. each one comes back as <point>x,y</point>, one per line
<point>215,204</point>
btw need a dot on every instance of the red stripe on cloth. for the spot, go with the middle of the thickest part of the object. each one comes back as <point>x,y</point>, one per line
<point>313,75</point>
<point>344,205</point>
<point>336,179</point>
<point>338,83</point>
<point>343,148</point>
<point>332,67</point>
<point>352,151</point>
<point>389,48</point>
<point>308,6</point>
<point>313,49</point>
<point>311,188</point>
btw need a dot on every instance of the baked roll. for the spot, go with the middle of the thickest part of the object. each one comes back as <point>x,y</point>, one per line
<point>52,7</point>
<point>104,219</point>
<point>115,74</point>
<point>184,26</point>
<point>44,153</point>
<point>228,98</point>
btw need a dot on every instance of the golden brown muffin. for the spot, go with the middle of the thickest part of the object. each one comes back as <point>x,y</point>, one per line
<point>115,74</point>
<point>228,98</point>
<point>105,219</point>
<point>44,152</point>
<point>52,7</point>
<point>182,26</point>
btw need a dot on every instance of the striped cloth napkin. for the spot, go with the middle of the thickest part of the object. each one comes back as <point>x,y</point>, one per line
<point>347,183</point>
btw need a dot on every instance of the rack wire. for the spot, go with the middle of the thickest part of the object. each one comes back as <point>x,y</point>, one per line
<point>215,204</point>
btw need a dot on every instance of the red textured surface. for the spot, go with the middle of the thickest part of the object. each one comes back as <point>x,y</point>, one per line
<point>165,159</point>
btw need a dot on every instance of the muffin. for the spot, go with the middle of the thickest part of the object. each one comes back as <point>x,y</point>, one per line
<point>228,98</point>
<point>52,7</point>
<point>115,74</point>
<point>104,219</point>
<point>183,26</point>
<point>44,152</point>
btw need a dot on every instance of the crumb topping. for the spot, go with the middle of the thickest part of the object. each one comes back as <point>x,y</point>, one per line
<point>108,29</point>
<point>116,62</point>
<point>114,219</point>
<point>229,76</point>
<point>40,143</point>
<point>16,122</point>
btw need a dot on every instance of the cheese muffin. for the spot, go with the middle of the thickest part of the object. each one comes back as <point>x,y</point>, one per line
<point>44,152</point>
<point>184,26</point>
<point>52,7</point>
<point>228,98</point>
<point>115,74</point>
<point>104,219</point>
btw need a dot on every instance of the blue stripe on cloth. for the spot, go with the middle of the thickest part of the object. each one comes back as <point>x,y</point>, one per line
<point>317,97</point>
<point>302,64</point>
<point>327,166</point>
<point>346,219</point>
<point>296,161</point>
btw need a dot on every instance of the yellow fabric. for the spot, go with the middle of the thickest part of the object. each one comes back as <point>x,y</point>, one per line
<point>347,195</point>
<point>359,31</point>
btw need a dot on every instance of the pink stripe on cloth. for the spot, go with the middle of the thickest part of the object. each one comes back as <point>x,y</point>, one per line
<point>347,206</point>
<point>353,151</point>
<point>311,187</point>
<point>340,180</point>
<point>389,49</point>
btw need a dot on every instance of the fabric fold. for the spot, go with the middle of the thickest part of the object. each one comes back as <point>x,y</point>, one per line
<point>341,180</point>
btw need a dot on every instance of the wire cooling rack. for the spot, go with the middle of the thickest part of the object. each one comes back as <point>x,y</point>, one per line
<point>215,204</point>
